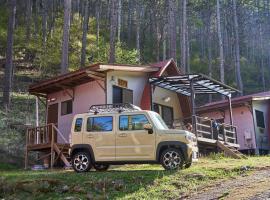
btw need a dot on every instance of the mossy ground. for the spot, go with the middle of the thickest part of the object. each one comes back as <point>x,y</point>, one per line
<point>124,182</point>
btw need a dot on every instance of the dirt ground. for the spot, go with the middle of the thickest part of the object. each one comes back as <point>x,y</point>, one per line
<point>255,186</point>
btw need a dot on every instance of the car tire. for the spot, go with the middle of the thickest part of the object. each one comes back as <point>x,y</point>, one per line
<point>81,162</point>
<point>172,159</point>
<point>188,163</point>
<point>101,167</point>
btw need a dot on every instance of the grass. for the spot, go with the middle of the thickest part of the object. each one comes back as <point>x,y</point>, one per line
<point>124,182</point>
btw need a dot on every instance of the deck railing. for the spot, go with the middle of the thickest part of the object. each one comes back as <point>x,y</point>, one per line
<point>203,127</point>
<point>43,135</point>
<point>223,132</point>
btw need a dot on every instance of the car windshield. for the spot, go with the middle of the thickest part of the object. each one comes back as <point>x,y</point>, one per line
<point>160,124</point>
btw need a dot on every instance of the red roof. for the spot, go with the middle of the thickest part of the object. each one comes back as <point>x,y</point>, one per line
<point>235,101</point>
<point>163,66</point>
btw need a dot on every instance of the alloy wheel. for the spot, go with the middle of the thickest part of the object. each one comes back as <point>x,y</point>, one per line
<point>81,162</point>
<point>171,160</point>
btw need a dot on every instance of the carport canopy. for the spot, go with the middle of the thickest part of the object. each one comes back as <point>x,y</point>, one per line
<point>192,84</point>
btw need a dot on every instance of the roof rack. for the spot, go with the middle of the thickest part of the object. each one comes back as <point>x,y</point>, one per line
<point>117,107</point>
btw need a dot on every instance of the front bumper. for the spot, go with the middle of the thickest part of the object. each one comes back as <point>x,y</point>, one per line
<point>193,152</point>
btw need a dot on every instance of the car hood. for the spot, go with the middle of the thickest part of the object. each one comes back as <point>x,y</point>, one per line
<point>174,131</point>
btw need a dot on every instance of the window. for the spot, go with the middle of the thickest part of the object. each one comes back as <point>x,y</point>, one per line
<point>78,125</point>
<point>259,119</point>
<point>99,124</point>
<point>166,113</point>
<point>66,107</point>
<point>132,122</point>
<point>122,95</point>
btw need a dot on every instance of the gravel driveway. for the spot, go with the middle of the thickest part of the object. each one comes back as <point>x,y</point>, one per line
<point>255,186</point>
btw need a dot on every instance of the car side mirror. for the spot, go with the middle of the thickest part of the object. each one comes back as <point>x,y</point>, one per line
<point>148,127</point>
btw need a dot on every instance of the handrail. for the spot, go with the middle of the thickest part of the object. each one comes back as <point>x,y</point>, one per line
<point>43,134</point>
<point>204,128</point>
<point>59,132</point>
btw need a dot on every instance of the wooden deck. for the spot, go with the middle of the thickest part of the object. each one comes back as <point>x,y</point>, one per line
<point>40,147</point>
<point>223,138</point>
<point>213,142</point>
<point>43,139</point>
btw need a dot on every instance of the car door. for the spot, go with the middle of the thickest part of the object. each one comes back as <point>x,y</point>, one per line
<point>76,130</point>
<point>133,143</point>
<point>100,134</point>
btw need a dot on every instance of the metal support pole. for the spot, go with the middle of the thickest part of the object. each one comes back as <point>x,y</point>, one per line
<point>151,97</point>
<point>230,107</point>
<point>193,107</point>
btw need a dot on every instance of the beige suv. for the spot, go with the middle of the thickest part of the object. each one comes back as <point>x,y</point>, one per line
<point>128,136</point>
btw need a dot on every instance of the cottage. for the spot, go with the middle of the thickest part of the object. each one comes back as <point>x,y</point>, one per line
<point>74,92</point>
<point>251,114</point>
<point>159,87</point>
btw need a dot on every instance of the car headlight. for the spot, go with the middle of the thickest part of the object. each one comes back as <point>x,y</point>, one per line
<point>189,137</point>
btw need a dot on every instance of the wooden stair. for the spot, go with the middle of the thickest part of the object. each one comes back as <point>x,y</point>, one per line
<point>62,152</point>
<point>230,151</point>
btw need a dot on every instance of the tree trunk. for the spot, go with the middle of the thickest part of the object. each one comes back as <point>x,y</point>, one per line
<point>129,28</point>
<point>172,30</point>
<point>158,36</point>
<point>209,48</point>
<point>28,20</point>
<point>220,42</point>
<point>237,51</point>
<point>113,24</point>
<point>65,41</point>
<point>9,55</point>
<point>139,13</point>
<point>35,4</point>
<point>44,23</point>
<point>119,15</point>
<point>98,5</point>
<point>262,58</point>
<point>187,52</point>
<point>183,38</point>
<point>85,30</point>
<point>164,42</point>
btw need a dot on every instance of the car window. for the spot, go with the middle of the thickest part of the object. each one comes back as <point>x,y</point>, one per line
<point>78,125</point>
<point>99,124</point>
<point>132,122</point>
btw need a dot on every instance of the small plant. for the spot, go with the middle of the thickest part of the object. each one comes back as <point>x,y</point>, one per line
<point>216,156</point>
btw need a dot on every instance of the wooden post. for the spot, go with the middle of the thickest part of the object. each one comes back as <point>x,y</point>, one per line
<point>37,120</point>
<point>52,142</point>
<point>26,151</point>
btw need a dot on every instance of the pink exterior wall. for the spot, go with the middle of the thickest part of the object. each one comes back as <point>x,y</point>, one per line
<point>243,120</point>
<point>85,95</point>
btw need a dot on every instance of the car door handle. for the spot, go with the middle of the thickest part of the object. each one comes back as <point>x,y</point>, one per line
<point>90,136</point>
<point>123,135</point>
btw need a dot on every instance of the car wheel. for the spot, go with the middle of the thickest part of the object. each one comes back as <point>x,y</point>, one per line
<point>101,167</point>
<point>81,162</point>
<point>171,159</point>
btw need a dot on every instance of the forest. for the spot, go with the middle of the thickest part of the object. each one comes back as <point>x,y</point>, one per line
<point>228,40</point>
